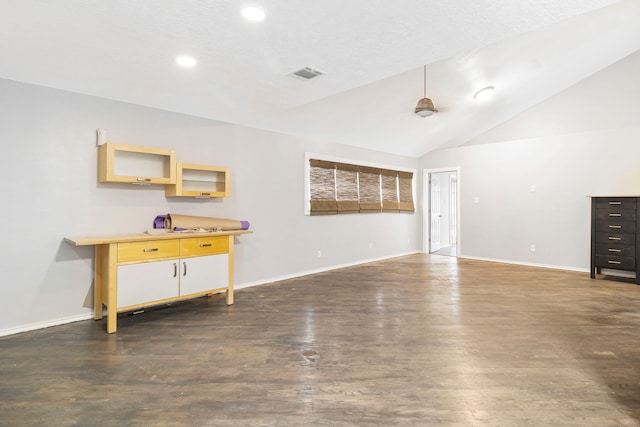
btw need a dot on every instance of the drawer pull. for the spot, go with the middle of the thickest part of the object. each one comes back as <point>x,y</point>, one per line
<point>205,245</point>
<point>615,226</point>
<point>184,268</point>
<point>614,262</point>
<point>615,215</point>
<point>143,179</point>
<point>615,238</point>
<point>175,269</point>
<point>615,203</point>
<point>614,250</point>
<point>150,249</point>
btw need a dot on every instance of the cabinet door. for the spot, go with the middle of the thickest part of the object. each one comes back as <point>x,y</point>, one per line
<point>204,273</point>
<point>147,282</point>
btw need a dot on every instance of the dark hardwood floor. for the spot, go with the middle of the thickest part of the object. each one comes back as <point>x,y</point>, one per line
<point>418,340</point>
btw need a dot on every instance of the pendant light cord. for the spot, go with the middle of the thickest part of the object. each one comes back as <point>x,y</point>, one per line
<point>425,81</point>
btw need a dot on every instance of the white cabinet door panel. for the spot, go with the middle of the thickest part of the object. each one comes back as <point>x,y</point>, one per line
<point>147,282</point>
<point>203,273</point>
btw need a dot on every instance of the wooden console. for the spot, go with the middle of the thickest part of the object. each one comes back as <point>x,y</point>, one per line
<point>137,270</point>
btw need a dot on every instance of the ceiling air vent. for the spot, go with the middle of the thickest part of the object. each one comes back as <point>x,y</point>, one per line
<point>307,73</point>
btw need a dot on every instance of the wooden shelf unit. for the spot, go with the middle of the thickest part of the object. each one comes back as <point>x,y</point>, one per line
<point>200,181</point>
<point>136,165</point>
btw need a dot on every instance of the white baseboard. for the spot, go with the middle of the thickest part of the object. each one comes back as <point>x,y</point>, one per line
<point>47,324</point>
<point>529,264</point>
<point>89,315</point>
<point>318,270</point>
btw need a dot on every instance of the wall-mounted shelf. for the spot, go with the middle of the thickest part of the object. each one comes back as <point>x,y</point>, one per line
<point>199,181</point>
<point>136,165</point>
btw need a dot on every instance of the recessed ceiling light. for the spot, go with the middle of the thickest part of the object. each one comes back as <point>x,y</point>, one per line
<point>253,13</point>
<point>186,61</point>
<point>484,93</point>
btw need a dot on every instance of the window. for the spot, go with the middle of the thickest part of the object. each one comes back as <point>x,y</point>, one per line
<point>322,181</point>
<point>341,188</point>
<point>347,188</point>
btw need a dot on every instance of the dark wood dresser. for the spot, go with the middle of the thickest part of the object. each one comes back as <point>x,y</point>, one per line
<point>615,234</point>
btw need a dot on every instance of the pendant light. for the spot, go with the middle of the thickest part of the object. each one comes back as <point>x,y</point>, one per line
<point>425,107</point>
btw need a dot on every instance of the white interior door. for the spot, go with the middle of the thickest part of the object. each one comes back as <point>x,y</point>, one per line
<point>435,214</point>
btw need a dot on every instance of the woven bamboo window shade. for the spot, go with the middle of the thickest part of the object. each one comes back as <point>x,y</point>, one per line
<point>322,181</point>
<point>347,188</point>
<point>389,190</point>
<point>405,180</point>
<point>369,188</point>
<point>339,188</point>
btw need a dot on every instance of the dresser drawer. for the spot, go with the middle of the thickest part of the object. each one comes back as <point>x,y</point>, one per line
<point>616,262</point>
<point>618,238</point>
<point>204,246</point>
<point>615,226</point>
<point>615,214</point>
<point>616,202</point>
<point>615,250</point>
<point>148,250</point>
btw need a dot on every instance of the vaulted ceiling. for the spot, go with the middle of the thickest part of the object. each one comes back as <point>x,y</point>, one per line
<point>372,52</point>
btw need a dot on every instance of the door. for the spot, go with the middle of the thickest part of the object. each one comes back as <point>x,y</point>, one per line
<point>435,214</point>
<point>147,282</point>
<point>204,273</point>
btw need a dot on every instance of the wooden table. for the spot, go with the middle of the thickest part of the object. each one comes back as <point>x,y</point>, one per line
<point>133,271</point>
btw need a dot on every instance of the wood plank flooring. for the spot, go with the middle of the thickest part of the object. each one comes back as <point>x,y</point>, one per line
<point>421,340</point>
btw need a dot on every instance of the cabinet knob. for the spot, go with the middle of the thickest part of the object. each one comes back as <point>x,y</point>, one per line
<point>151,250</point>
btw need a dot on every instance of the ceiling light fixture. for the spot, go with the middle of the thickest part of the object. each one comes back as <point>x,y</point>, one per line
<point>252,13</point>
<point>425,107</point>
<point>484,93</point>
<point>186,61</point>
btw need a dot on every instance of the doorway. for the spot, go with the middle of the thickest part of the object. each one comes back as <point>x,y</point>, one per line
<point>442,222</point>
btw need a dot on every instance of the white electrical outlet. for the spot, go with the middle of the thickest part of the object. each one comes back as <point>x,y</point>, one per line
<point>532,188</point>
<point>532,248</point>
<point>319,253</point>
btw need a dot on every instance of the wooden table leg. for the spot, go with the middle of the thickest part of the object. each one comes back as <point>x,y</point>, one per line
<point>230,283</point>
<point>97,283</point>
<point>112,287</point>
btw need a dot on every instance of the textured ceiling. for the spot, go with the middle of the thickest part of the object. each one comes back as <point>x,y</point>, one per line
<point>372,52</point>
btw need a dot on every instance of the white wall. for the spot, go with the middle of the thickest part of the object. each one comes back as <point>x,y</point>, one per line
<point>584,141</point>
<point>50,190</point>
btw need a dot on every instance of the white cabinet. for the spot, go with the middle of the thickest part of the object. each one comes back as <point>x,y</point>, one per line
<point>153,282</point>
<point>150,281</point>
<point>201,274</point>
